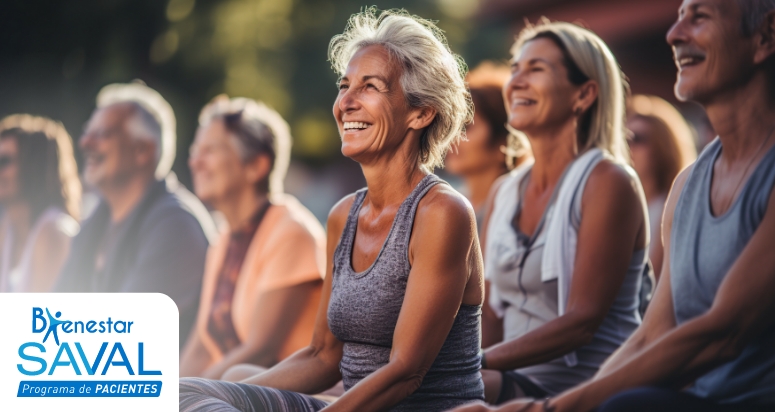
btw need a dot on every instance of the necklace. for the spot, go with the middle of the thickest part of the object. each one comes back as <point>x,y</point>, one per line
<point>745,172</point>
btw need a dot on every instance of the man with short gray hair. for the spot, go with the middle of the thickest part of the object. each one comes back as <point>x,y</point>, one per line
<point>148,233</point>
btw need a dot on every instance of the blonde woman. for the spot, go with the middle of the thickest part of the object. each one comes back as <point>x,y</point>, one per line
<point>567,235</point>
<point>400,311</point>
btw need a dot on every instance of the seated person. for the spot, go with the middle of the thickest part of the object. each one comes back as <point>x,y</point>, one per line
<point>400,312</point>
<point>489,150</point>
<point>566,239</point>
<point>40,195</point>
<point>264,275</point>
<point>148,233</point>
<point>708,340</point>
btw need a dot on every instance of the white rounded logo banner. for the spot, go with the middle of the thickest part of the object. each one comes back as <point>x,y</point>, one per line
<point>88,352</point>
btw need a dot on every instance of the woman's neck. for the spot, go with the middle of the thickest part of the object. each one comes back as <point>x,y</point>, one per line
<point>553,151</point>
<point>390,185</point>
<point>240,207</point>
<point>391,176</point>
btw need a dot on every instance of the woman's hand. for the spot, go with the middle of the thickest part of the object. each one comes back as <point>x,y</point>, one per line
<point>520,405</point>
<point>474,407</point>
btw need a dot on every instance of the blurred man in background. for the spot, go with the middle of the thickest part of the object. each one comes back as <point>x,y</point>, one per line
<point>148,233</point>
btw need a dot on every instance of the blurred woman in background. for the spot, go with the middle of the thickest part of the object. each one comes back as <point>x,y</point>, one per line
<point>489,150</point>
<point>566,238</point>
<point>263,277</point>
<point>662,145</point>
<point>40,196</point>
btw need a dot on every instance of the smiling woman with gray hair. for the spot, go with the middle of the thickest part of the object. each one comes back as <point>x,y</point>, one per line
<point>400,312</point>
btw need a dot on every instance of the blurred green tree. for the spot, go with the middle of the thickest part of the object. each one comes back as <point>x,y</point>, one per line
<point>55,56</point>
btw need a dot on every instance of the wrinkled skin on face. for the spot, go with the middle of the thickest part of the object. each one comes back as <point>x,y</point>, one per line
<point>371,112</point>
<point>539,94</point>
<point>111,156</point>
<point>217,169</point>
<point>709,49</point>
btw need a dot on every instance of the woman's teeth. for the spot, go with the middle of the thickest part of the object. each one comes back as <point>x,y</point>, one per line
<point>355,125</point>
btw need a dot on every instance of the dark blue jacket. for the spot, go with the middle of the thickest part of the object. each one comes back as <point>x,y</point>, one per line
<point>161,247</point>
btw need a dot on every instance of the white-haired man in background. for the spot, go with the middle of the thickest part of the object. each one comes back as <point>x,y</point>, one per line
<point>148,233</point>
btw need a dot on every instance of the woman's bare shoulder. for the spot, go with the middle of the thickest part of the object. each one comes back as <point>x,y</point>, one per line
<point>445,209</point>
<point>337,217</point>
<point>610,172</point>
<point>611,181</point>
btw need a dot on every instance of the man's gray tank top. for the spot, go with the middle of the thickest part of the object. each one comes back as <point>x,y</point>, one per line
<point>702,250</point>
<point>364,308</point>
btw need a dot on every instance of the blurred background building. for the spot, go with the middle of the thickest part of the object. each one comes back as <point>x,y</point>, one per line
<point>55,56</point>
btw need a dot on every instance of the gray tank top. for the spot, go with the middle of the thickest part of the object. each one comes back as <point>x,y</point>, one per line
<point>702,250</point>
<point>364,308</point>
<point>531,303</point>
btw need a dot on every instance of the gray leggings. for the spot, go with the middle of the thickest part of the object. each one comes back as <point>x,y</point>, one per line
<point>205,395</point>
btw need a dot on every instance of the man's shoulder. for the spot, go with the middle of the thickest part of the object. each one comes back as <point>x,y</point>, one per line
<point>177,206</point>
<point>170,203</point>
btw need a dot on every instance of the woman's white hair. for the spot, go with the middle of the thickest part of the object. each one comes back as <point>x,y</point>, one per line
<point>256,129</point>
<point>432,76</point>
<point>603,123</point>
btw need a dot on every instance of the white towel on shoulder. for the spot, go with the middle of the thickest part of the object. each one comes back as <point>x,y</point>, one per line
<point>561,235</point>
<point>559,252</point>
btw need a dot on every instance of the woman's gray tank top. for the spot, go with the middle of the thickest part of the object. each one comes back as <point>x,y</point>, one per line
<point>531,303</point>
<point>703,248</point>
<point>364,308</point>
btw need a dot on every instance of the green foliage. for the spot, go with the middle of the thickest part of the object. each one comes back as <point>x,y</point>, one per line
<point>55,57</point>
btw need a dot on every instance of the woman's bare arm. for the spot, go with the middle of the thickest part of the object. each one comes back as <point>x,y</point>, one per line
<point>442,252</point>
<point>196,358</point>
<point>660,317</point>
<point>657,251</point>
<point>48,255</point>
<point>492,325</point>
<point>611,229</point>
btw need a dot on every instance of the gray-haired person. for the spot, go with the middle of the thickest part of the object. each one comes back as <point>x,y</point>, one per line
<point>148,233</point>
<point>399,319</point>
<point>710,329</point>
